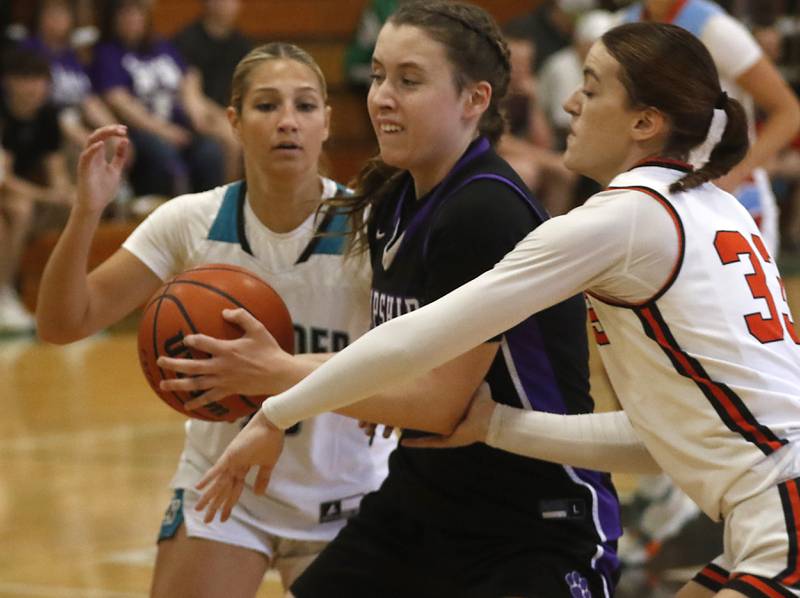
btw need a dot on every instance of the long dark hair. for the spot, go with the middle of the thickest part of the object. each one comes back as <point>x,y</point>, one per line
<point>668,68</point>
<point>108,26</point>
<point>477,51</point>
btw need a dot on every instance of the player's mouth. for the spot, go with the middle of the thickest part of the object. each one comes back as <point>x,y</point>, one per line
<point>389,128</point>
<point>287,146</point>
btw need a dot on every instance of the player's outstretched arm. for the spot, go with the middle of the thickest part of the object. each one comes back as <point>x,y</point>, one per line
<point>259,443</point>
<point>600,441</point>
<point>72,305</point>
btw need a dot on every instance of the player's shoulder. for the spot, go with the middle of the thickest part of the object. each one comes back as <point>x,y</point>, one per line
<point>193,207</point>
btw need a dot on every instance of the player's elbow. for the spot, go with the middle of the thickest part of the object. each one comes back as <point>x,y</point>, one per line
<point>49,331</point>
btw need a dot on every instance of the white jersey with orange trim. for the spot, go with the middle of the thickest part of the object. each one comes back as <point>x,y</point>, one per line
<point>328,463</point>
<point>694,328</point>
<point>721,323</point>
<point>734,51</point>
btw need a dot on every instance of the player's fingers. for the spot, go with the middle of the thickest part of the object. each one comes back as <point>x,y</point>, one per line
<point>243,319</point>
<point>387,431</point>
<point>216,470</point>
<point>190,367</point>
<point>106,132</point>
<point>204,399</point>
<point>205,343</point>
<point>233,498</point>
<point>88,153</point>
<point>262,479</point>
<point>121,154</point>
<point>192,384</point>
<point>220,493</point>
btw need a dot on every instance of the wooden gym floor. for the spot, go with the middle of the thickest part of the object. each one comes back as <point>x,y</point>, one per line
<point>86,455</point>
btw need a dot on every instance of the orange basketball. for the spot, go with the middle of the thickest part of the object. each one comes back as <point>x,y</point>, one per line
<point>192,302</point>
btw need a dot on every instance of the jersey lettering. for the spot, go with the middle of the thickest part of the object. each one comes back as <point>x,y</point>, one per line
<point>731,246</point>
<point>319,340</point>
<point>386,307</point>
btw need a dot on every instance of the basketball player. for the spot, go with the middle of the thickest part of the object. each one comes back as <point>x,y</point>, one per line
<point>688,310</point>
<point>444,208</point>
<point>269,224</point>
<point>750,77</point>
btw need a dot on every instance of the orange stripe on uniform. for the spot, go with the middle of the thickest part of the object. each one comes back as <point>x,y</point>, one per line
<point>755,582</point>
<point>714,575</point>
<point>719,394</point>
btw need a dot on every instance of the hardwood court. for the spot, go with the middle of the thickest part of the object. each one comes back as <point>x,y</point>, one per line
<point>86,454</point>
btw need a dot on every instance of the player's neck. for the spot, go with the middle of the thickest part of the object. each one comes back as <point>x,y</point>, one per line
<point>283,205</point>
<point>427,176</point>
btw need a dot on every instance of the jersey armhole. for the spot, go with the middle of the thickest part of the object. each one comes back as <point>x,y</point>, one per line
<point>676,220</point>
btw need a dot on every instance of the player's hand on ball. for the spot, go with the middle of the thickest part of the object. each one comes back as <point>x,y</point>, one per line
<point>473,428</point>
<point>249,365</point>
<point>259,443</point>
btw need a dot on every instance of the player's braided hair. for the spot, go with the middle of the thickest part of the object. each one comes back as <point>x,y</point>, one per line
<point>477,52</point>
<point>685,87</point>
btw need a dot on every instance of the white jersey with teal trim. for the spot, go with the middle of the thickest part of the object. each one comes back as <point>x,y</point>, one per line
<point>734,51</point>
<point>327,464</point>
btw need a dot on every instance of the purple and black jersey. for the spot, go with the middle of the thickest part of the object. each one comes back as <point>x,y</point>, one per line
<point>421,249</point>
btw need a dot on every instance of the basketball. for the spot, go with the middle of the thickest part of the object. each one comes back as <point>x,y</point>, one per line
<point>192,302</point>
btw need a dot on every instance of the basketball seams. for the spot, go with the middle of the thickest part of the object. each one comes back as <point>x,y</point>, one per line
<point>222,284</point>
<point>166,296</point>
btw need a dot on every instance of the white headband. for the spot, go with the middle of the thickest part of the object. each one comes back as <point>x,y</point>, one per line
<point>698,157</point>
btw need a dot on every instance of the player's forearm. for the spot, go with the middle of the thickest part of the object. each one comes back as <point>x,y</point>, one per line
<point>600,441</point>
<point>777,132</point>
<point>63,300</point>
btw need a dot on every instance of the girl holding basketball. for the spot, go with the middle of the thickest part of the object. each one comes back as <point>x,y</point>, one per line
<point>690,317</point>
<point>443,208</point>
<point>269,223</point>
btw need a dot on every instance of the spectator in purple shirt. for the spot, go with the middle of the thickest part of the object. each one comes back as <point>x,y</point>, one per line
<point>142,78</point>
<point>79,109</point>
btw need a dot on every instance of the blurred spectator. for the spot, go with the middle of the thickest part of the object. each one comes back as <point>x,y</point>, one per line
<point>358,56</point>
<point>142,79</point>
<point>80,110</point>
<point>562,72</point>
<point>550,26</point>
<point>527,145</point>
<point>34,170</point>
<point>212,47</point>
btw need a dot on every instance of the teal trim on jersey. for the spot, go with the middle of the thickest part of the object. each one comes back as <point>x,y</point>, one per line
<point>226,225</point>
<point>333,245</point>
<point>696,14</point>
<point>692,17</point>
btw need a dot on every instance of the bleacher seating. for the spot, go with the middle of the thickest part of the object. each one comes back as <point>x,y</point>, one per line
<point>324,28</point>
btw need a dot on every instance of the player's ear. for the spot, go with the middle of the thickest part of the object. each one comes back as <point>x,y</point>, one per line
<point>478,98</point>
<point>233,119</point>
<point>650,124</point>
<point>327,123</point>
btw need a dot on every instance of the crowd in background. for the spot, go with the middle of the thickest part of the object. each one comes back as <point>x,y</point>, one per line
<point>62,77</point>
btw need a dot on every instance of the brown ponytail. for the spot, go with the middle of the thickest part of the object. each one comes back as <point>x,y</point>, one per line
<point>668,68</point>
<point>730,150</point>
